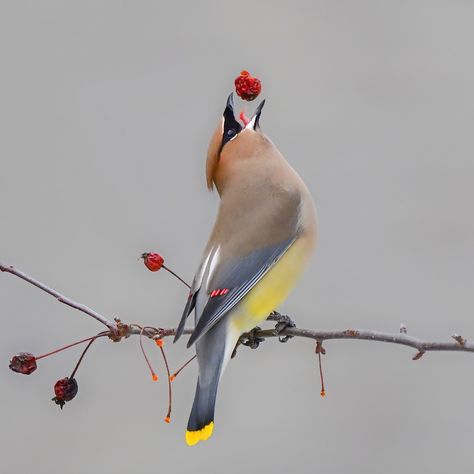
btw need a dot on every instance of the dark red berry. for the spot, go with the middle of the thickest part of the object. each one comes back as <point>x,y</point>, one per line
<point>247,87</point>
<point>23,363</point>
<point>153,261</point>
<point>65,390</point>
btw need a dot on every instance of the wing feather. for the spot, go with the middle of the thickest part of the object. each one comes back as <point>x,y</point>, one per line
<point>190,305</point>
<point>202,274</point>
<point>239,277</point>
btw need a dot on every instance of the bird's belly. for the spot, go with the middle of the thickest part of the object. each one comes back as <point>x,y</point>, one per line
<point>272,289</point>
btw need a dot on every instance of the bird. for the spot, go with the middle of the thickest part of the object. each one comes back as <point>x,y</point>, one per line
<point>264,234</point>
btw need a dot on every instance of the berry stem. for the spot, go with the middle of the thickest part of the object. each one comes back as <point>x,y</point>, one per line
<point>170,395</point>
<point>71,345</point>
<point>176,276</point>
<point>153,373</point>
<point>84,353</point>
<point>182,367</point>
<point>323,392</point>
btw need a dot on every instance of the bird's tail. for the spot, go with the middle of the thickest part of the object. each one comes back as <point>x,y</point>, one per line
<point>201,420</point>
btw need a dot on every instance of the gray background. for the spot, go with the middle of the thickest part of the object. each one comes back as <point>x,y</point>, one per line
<point>106,109</point>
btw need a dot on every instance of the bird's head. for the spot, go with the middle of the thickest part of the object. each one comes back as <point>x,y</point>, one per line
<point>231,141</point>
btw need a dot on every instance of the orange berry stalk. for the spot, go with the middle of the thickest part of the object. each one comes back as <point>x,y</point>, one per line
<point>320,350</point>
<point>154,377</point>
<point>159,342</point>
<point>172,377</point>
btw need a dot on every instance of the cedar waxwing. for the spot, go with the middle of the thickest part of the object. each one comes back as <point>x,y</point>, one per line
<point>264,234</point>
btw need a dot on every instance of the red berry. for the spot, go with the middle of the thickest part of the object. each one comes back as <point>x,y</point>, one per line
<point>247,87</point>
<point>153,261</point>
<point>23,363</point>
<point>65,390</point>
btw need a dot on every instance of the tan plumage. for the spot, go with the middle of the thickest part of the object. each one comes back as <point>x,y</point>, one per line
<point>259,193</point>
<point>264,233</point>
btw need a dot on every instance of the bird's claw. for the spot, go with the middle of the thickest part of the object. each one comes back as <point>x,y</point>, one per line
<point>283,322</point>
<point>250,339</point>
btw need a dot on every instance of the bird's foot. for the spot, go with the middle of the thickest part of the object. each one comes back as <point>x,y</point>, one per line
<point>250,339</point>
<point>283,322</point>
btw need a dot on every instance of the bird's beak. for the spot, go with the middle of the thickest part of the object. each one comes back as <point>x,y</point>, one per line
<point>254,121</point>
<point>230,123</point>
<point>229,107</point>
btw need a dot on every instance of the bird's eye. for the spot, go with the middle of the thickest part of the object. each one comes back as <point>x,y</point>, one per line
<point>231,133</point>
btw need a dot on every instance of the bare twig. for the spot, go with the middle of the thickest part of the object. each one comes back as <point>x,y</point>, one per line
<point>61,298</point>
<point>421,345</point>
<point>118,329</point>
<point>368,335</point>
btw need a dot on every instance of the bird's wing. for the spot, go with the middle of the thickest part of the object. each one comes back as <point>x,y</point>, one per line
<point>231,281</point>
<point>255,226</point>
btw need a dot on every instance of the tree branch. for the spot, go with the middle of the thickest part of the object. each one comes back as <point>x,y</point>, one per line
<point>284,328</point>
<point>61,298</point>
<point>355,334</point>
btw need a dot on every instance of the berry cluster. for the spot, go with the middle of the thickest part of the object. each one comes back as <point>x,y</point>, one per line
<point>247,87</point>
<point>66,388</point>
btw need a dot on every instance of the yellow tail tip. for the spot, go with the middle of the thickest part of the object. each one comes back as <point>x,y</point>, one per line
<point>193,437</point>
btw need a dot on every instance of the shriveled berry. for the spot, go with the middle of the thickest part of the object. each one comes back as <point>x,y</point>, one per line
<point>65,390</point>
<point>23,363</point>
<point>153,261</point>
<point>247,87</point>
